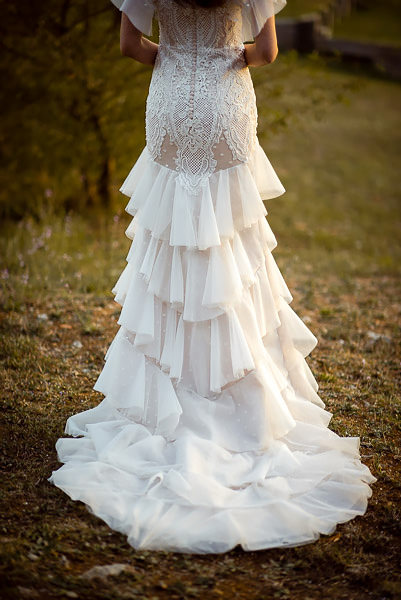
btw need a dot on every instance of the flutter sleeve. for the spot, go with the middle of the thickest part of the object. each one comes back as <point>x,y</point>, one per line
<point>139,12</point>
<point>255,14</point>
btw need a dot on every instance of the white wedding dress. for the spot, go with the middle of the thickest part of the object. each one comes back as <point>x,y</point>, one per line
<point>211,433</point>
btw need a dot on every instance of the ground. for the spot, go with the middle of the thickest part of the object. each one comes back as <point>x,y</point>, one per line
<point>337,228</point>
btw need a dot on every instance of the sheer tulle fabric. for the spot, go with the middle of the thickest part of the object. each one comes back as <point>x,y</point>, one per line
<point>254,12</point>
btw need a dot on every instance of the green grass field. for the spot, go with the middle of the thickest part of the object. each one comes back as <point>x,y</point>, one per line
<point>332,134</point>
<point>378,22</point>
<point>368,21</point>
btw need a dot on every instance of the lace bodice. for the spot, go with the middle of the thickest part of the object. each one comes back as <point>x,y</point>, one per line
<point>192,29</point>
<point>201,108</point>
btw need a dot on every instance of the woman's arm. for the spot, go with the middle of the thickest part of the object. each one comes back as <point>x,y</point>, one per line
<point>264,50</point>
<point>134,45</point>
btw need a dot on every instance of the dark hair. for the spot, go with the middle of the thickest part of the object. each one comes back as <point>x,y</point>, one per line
<point>202,3</point>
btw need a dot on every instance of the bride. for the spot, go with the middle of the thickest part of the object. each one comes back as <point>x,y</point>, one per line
<point>211,433</point>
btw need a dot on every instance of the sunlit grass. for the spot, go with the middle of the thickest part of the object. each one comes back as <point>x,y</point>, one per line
<point>64,254</point>
<point>336,147</point>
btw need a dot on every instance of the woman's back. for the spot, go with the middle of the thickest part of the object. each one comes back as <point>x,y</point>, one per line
<point>193,29</point>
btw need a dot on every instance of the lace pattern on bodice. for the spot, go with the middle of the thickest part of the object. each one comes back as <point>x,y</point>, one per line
<point>201,108</point>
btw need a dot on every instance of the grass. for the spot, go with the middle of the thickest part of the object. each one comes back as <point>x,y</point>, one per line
<point>372,22</point>
<point>368,21</point>
<point>336,144</point>
<point>332,136</point>
<point>296,8</point>
<point>69,252</point>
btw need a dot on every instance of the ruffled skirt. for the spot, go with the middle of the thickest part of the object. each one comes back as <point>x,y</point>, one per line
<point>211,433</point>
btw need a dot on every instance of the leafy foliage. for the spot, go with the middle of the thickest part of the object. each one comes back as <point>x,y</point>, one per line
<point>69,104</point>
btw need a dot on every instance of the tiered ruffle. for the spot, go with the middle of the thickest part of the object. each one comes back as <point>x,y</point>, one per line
<point>211,432</point>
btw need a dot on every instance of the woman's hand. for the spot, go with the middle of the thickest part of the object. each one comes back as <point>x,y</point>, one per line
<point>134,45</point>
<point>264,50</point>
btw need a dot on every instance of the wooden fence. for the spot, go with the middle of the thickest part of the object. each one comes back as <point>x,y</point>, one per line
<point>314,32</point>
